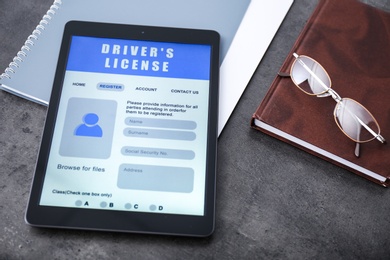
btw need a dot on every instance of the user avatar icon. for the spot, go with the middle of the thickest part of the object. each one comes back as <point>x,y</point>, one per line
<point>89,127</point>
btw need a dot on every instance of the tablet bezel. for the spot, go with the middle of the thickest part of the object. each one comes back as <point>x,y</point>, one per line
<point>128,221</point>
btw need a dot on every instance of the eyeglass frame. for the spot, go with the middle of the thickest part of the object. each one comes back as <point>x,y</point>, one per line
<point>328,91</point>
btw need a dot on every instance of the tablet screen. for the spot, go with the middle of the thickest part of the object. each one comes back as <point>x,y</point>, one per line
<point>128,127</point>
<point>131,127</point>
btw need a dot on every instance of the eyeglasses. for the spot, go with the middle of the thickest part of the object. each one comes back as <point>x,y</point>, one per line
<point>353,119</point>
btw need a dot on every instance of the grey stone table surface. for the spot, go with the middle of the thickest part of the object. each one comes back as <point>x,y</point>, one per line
<point>273,200</point>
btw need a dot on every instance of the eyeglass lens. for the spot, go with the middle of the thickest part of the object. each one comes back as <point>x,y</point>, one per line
<point>313,79</point>
<point>348,113</point>
<point>351,117</point>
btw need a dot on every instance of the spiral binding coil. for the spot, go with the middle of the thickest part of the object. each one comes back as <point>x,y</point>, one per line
<point>29,43</point>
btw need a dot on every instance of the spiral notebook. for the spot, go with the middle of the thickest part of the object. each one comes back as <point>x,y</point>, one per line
<point>246,26</point>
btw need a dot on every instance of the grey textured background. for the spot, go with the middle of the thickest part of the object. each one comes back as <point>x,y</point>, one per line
<point>273,200</point>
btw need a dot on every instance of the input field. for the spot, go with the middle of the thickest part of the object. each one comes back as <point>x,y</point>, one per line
<point>160,123</point>
<point>160,134</point>
<point>158,153</point>
<point>155,178</point>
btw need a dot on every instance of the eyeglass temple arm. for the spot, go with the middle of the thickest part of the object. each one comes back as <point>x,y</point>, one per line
<point>357,149</point>
<point>284,74</point>
<point>377,136</point>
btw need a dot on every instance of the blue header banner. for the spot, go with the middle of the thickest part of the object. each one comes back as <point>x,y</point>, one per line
<point>142,58</point>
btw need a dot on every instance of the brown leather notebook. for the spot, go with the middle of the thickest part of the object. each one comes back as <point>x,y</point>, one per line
<point>351,40</point>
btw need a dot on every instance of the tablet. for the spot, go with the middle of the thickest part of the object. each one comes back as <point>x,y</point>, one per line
<point>129,142</point>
